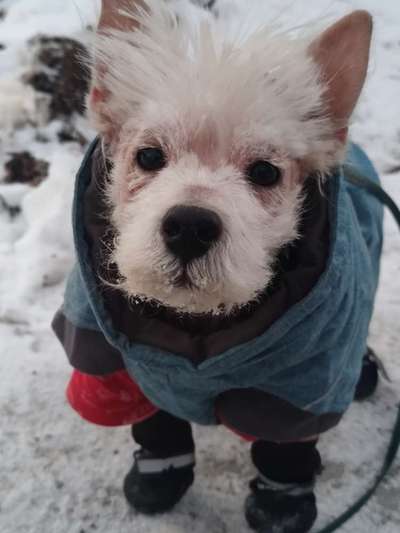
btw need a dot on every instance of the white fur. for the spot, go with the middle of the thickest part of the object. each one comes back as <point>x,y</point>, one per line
<point>216,94</point>
<point>235,270</point>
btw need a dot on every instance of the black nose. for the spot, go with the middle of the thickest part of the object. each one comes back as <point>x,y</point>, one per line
<point>190,231</point>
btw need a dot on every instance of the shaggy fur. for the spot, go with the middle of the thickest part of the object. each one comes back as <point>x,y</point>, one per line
<point>216,94</point>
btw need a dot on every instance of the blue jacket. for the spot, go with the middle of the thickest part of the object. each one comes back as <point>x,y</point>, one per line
<point>310,357</point>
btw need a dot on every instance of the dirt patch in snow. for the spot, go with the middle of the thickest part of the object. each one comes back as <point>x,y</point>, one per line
<point>68,133</point>
<point>24,168</point>
<point>60,73</point>
<point>12,210</point>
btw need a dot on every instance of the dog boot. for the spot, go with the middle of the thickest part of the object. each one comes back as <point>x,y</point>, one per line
<point>280,507</point>
<point>154,484</point>
<point>368,380</point>
<point>281,498</point>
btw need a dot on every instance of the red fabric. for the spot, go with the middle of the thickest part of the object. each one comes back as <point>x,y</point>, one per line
<point>112,400</point>
<point>115,400</point>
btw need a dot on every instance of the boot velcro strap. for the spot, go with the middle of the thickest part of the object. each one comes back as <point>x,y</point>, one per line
<point>289,489</point>
<point>157,465</point>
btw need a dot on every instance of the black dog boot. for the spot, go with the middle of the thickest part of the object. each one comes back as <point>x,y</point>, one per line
<point>163,467</point>
<point>154,484</point>
<point>282,498</point>
<point>369,376</point>
<point>280,507</point>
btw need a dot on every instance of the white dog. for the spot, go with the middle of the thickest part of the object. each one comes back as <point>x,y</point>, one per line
<point>238,284</point>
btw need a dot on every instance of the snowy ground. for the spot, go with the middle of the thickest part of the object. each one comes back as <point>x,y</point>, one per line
<point>62,475</point>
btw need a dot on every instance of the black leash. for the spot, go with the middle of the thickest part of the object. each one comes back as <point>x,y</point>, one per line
<point>355,178</point>
<point>389,459</point>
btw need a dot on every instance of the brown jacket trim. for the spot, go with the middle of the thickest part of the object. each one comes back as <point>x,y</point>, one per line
<point>267,417</point>
<point>87,350</point>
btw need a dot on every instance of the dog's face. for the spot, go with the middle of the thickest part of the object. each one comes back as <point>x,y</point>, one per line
<point>211,138</point>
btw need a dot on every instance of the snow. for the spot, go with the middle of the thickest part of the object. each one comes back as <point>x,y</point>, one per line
<point>60,474</point>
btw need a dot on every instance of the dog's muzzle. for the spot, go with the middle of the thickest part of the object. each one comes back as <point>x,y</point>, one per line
<point>190,231</point>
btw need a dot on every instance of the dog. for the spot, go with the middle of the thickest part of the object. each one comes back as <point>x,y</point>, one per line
<point>226,271</point>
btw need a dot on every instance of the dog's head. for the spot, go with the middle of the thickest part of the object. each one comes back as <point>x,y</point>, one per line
<point>212,132</point>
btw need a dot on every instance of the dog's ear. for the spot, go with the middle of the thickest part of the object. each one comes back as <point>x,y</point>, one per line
<point>113,17</point>
<point>342,53</point>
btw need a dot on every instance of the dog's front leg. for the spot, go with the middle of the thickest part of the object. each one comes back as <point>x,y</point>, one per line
<point>163,467</point>
<point>282,495</point>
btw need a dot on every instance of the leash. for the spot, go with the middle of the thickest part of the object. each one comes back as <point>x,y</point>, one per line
<point>356,178</point>
<point>359,180</point>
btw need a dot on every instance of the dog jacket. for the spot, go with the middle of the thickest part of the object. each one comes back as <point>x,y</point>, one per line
<point>284,370</point>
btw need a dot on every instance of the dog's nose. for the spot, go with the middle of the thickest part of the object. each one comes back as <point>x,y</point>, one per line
<point>190,231</point>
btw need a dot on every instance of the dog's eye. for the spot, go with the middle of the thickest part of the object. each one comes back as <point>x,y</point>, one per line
<point>263,173</point>
<point>151,159</point>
